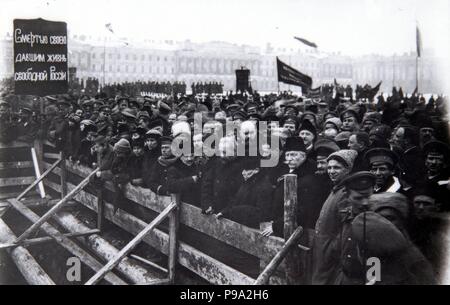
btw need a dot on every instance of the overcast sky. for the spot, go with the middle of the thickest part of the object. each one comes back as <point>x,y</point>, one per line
<point>353,27</point>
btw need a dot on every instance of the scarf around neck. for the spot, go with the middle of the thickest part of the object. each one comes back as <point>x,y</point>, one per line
<point>167,161</point>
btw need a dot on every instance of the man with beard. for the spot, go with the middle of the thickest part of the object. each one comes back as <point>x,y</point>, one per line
<point>329,225</point>
<point>308,133</point>
<point>383,162</point>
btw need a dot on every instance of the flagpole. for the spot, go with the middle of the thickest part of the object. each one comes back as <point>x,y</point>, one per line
<point>417,73</point>
<point>104,61</point>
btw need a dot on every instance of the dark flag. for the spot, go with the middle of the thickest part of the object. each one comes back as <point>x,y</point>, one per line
<point>308,43</point>
<point>418,42</point>
<point>370,94</point>
<point>289,75</point>
<point>315,93</point>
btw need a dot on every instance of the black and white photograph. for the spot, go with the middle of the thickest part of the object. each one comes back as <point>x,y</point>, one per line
<point>244,144</point>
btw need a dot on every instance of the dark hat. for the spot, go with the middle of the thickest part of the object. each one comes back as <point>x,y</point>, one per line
<point>239,115</point>
<point>103,107</point>
<point>155,123</point>
<point>63,102</point>
<point>325,147</point>
<point>380,154</point>
<point>137,142</point>
<point>233,107</point>
<point>396,201</point>
<point>133,102</point>
<point>166,140</point>
<point>250,162</point>
<point>153,133</point>
<point>372,116</point>
<point>294,144</point>
<point>164,108</point>
<point>310,113</point>
<point>436,147</point>
<point>381,131</point>
<point>51,99</point>
<point>90,128</point>
<point>359,181</point>
<point>100,139</point>
<point>26,110</point>
<point>98,102</point>
<point>139,130</point>
<point>122,98</point>
<point>123,128</point>
<point>382,236</point>
<point>351,110</point>
<point>307,125</point>
<point>87,103</point>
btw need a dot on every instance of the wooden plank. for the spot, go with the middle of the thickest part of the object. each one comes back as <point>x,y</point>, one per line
<point>63,174</point>
<point>130,246</point>
<point>39,222</point>
<point>16,165</point>
<point>234,234</point>
<point>16,181</point>
<point>290,225</point>
<point>14,144</point>
<point>51,155</point>
<point>38,180</point>
<point>27,265</point>
<point>65,242</point>
<point>205,266</point>
<point>37,172</point>
<point>106,250</point>
<point>174,222</point>
<point>263,278</point>
<point>39,240</point>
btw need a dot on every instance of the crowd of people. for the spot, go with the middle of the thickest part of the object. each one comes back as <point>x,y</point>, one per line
<point>371,175</point>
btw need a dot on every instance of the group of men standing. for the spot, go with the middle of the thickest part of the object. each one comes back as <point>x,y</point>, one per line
<point>370,176</point>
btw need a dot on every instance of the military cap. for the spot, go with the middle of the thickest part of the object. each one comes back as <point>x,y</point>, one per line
<point>239,115</point>
<point>123,128</point>
<point>86,103</point>
<point>380,154</point>
<point>372,116</point>
<point>251,107</point>
<point>325,147</point>
<point>166,140</point>
<point>122,98</point>
<point>233,107</point>
<point>139,130</point>
<point>359,181</point>
<point>128,113</point>
<point>51,99</point>
<point>164,108</point>
<point>103,107</point>
<point>291,120</point>
<point>294,144</point>
<point>133,102</point>
<point>352,111</point>
<point>436,148</point>
<point>155,123</point>
<point>153,133</point>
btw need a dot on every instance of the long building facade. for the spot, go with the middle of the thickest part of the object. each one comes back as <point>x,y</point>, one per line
<point>116,61</point>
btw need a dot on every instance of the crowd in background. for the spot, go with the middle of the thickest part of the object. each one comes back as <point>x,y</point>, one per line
<point>372,172</point>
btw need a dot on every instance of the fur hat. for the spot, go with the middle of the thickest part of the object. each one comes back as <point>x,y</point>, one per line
<point>345,156</point>
<point>335,121</point>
